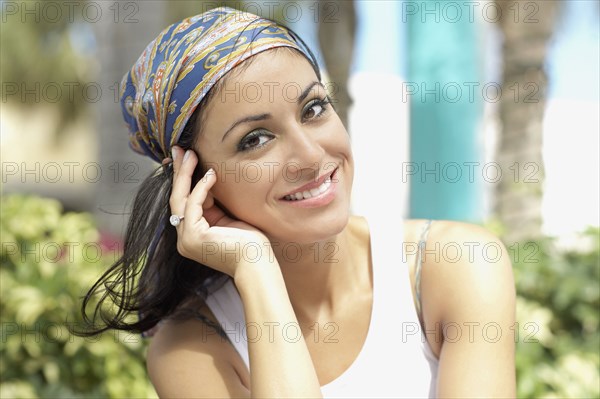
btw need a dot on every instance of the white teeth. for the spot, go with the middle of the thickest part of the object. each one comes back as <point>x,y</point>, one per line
<point>323,187</point>
<point>309,193</point>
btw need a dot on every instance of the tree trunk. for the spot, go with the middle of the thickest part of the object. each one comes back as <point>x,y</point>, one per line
<point>527,28</point>
<point>337,26</point>
<point>119,46</point>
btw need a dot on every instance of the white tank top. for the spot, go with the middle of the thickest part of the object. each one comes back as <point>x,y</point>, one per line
<point>395,360</point>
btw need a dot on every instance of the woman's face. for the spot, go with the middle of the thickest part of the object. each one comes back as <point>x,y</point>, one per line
<point>270,132</point>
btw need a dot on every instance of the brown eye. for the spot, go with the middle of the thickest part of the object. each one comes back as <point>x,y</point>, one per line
<point>315,109</point>
<point>254,140</point>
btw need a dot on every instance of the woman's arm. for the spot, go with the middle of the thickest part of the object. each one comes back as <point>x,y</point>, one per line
<point>189,359</point>
<point>280,367</point>
<point>471,299</point>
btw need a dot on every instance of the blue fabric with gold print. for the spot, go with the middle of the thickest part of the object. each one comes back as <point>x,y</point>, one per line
<point>177,69</point>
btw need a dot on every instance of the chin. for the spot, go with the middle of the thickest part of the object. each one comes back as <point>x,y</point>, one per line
<point>323,229</point>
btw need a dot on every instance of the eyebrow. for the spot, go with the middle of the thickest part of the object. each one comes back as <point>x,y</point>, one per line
<point>261,117</point>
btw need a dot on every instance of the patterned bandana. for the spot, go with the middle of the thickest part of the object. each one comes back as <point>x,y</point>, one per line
<point>180,66</point>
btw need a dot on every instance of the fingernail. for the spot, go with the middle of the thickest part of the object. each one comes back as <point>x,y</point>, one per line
<point>209,172</point>
<point>187,155</point>
<point>174,153</point>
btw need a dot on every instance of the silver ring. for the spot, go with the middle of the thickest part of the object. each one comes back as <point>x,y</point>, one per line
<point>175,220</point>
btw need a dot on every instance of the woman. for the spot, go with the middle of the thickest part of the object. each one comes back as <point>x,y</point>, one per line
<point>248,257</point>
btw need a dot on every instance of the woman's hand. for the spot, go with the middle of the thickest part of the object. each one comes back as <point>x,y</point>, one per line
<point>280,367</point>
<point>206,234</point>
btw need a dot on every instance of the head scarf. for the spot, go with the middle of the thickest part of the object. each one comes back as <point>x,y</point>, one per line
<point>178,68</point>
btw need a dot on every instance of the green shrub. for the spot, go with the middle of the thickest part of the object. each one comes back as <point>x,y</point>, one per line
<point>48,261</point>
<point>558,314</point>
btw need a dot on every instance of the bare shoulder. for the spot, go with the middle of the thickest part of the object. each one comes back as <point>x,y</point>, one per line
<point>468,303</point>
<point>187,358</point>
<point>466,249</point>
<point>448,230</point>
<point>466,271</point>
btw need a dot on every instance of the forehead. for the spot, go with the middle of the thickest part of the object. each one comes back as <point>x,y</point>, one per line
<point>265,75</point>
<point>268,90</point>
<point>286,58</point>
<point>275,76</point>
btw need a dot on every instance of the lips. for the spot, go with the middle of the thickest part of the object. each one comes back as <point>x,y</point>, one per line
<point>312,189</point>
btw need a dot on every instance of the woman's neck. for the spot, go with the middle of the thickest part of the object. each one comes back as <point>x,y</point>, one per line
<point>321,276</point>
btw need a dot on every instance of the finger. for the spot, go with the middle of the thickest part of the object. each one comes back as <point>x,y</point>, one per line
<point>196,200</point>
<point>176,155</point>
<point>211,210</point>
<point>209,202</point>
<point>182,182</point>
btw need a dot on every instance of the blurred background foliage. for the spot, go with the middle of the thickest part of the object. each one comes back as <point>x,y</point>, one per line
<point>557,333</point>
<point>43,278</point>
<point>557,313</point>
<point>54,52</point>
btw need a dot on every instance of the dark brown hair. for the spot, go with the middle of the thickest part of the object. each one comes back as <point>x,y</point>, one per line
<point>151,279</point>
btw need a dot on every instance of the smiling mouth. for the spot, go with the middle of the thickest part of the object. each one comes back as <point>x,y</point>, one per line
<point>313,192</point>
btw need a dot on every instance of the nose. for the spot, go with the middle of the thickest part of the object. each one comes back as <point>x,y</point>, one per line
<point>306,148</point>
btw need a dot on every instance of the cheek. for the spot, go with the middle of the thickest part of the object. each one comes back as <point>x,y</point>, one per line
<point>338,132</point>
<point>341,144</point>
<point>242,192</point>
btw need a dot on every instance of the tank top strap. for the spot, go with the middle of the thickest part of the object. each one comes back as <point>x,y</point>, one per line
<point>228,308</point>
<point>418,266</point>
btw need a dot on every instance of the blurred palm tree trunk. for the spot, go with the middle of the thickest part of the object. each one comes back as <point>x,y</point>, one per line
<point>119,46</point>
<point>337,27</point>
<point>527,31</point>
